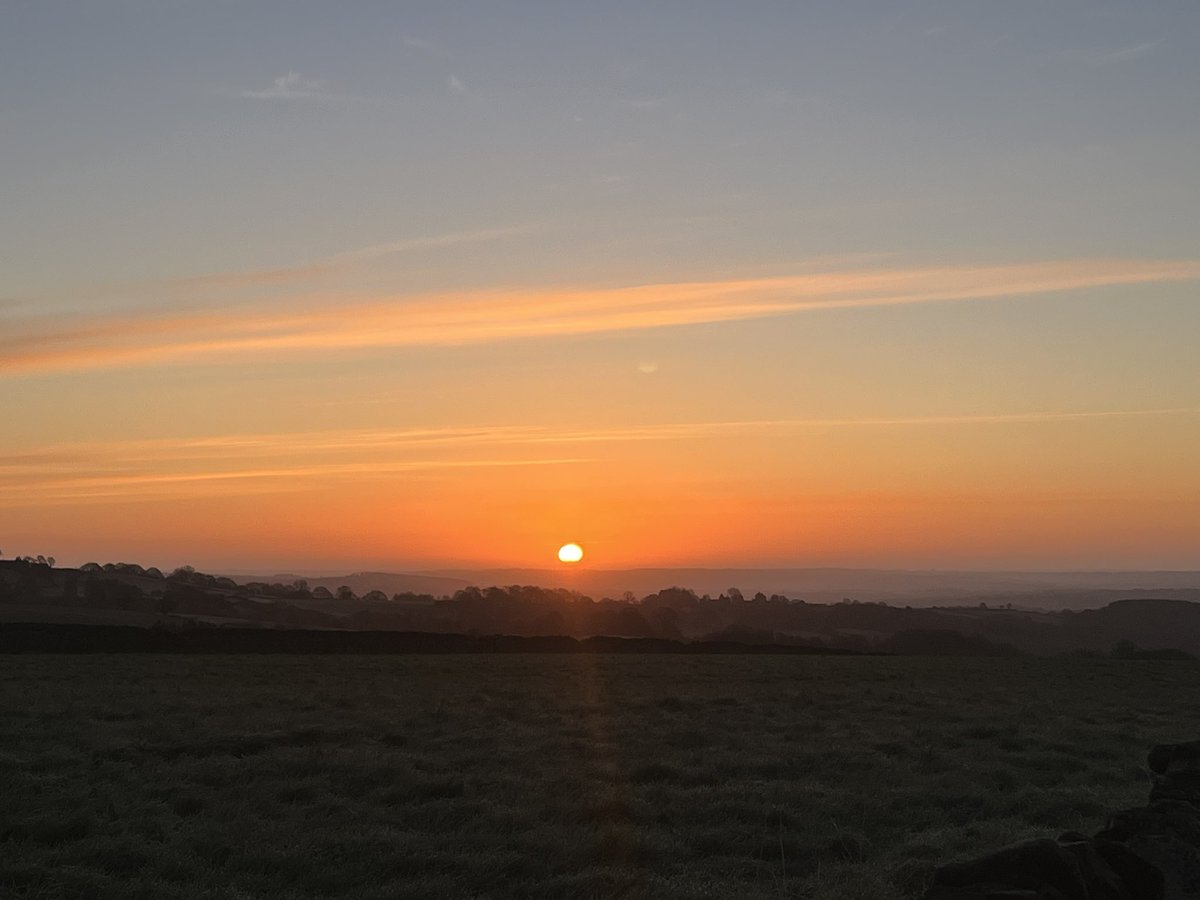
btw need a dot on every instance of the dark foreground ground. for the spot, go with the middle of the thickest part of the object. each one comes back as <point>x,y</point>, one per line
<point>556,776</point>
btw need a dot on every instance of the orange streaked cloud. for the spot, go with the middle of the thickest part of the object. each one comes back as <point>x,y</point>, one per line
<point>241,446</point>
<point>85,471</point>
<point>345,322</point>
<point>81,488</point>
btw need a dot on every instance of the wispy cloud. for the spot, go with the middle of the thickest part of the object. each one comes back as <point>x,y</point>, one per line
<point>654,102</point>
<point>456,84</point>
<point>344,322</point>
<point>84,471</point>
<point>431,242</point>
<point>74,489</point>
<point>1133,51</point>
<point>1104,56</point>
<point>89,470</point>
<point>423,46</point>
<point>358,255</point>
<point>291,86</point>
<point>364,443</point>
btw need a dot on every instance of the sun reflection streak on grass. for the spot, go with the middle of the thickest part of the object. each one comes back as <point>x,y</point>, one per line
<point>549,776</point>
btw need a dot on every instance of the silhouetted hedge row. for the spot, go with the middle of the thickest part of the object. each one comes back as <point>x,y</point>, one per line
<point>53,638</point>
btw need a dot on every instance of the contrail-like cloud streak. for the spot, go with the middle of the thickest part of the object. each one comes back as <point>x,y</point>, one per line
<point>341,322</point>
<point>82,469</point>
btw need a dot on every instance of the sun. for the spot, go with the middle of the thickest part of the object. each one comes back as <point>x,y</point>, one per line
<point>570,553</point>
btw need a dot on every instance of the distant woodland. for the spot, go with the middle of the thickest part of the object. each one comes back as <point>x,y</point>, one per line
<point>32,590</point>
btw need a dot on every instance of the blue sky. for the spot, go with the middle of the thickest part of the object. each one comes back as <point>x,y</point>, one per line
<point>148,140</point>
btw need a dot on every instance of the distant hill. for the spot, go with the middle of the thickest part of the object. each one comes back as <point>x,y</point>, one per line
<point>1150,623</point>
<point>1034,590</point>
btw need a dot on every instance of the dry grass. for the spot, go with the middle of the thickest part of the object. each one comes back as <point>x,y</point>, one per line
<point>555,776</point>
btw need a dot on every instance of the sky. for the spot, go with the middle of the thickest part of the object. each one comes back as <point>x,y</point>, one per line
<point>319,287</point>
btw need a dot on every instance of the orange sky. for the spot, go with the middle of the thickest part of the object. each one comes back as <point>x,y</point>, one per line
<point>968,491</point>
<point>830,284</point>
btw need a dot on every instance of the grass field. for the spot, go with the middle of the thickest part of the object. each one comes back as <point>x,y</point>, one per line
<point>556,776</point>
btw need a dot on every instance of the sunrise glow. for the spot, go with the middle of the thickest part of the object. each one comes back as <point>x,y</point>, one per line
<point>570,553</point>
<point>766,296</point>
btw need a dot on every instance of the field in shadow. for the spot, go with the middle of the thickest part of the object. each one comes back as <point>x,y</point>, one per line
<point>549,776</point>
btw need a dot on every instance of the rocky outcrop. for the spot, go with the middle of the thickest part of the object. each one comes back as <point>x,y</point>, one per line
<point>1148,853</point>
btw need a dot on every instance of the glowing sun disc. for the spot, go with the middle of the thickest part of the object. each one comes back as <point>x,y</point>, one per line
<point>570,553</point>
